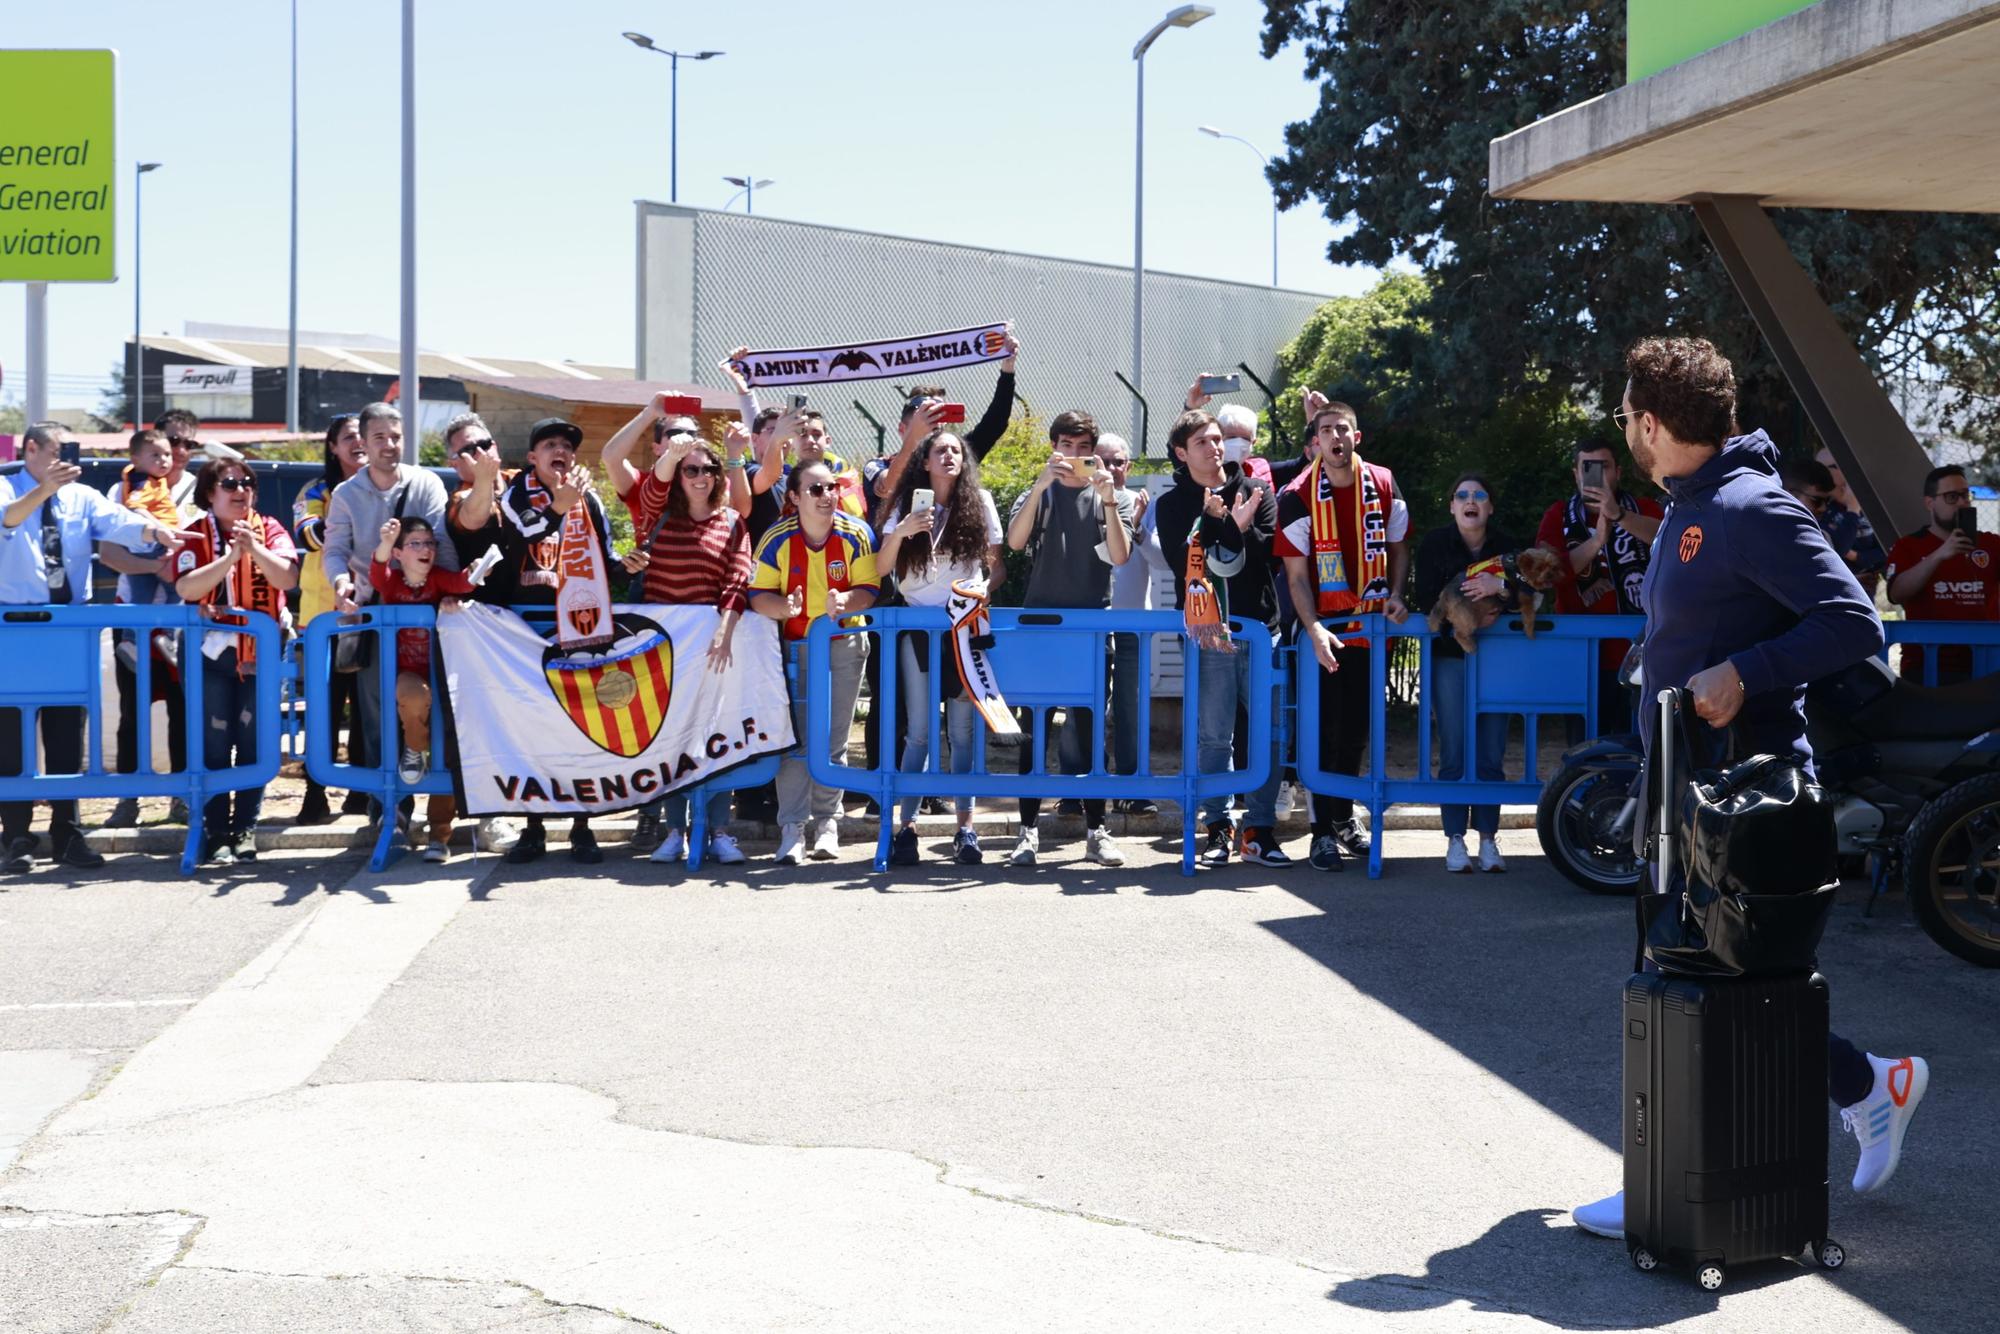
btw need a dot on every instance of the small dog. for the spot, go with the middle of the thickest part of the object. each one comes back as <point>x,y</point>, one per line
<point>1532,570</point>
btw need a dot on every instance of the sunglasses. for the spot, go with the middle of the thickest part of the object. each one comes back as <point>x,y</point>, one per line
<point>1623,415</point>
<point>819,490</point>
<point>473,447</point>
<point>1470,495</point>
<point>701,470</point>
<point>237,483</point>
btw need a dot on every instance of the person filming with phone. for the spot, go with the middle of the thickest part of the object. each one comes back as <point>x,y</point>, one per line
<point>1608,533</point>
<point>1946,571</point>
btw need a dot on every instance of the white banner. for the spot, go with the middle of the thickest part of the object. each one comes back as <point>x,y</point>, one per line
<point>544,732</point>
<point>877,360</point>
<point>207,379</point>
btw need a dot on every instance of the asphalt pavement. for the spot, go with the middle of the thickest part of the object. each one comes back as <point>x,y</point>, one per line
<point>299,1096</point>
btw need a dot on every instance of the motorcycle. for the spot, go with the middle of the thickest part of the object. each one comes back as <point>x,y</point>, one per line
<point>1913,772</point>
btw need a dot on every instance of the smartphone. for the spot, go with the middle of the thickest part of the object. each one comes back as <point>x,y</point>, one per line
<point>683,405</point>
<point>1221,384</point>
<point>798,402</point>
<point>1593,473</point>
<point>1085,467</point>
<point>951,412</point>
<point>923,498</point>
<point>1968,521</point>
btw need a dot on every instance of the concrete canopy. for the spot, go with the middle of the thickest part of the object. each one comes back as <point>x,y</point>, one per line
<point>1868,104</point>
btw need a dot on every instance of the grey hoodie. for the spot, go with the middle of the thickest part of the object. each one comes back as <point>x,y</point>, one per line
<point>357,510</point>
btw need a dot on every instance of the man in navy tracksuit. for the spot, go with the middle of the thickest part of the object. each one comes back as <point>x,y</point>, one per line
<point>1746,603</point>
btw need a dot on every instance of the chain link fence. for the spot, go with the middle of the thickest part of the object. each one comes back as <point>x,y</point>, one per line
<point>710,281</point>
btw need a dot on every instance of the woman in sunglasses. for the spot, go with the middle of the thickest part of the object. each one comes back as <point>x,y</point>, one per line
<point>818,560</point>
<point>1467,551</point>
<point>693,550</point>
<point>344,458</point>
<point>235,560</point>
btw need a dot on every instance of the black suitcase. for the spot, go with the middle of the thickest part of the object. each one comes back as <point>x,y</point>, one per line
<point>1724,1110</point>
<point>1725,1122</point>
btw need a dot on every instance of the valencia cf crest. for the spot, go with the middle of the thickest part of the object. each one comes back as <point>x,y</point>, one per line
<point>619,697</point>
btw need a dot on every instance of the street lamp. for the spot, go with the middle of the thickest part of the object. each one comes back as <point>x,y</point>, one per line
<point>292,321</point>
<point>1214,133</point>
<point>748,188</point>
<point>1184,17</point>
<point>138,348</point>
<point>645,43</point>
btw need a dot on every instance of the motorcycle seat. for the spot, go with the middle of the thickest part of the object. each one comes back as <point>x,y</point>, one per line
<point>1911,712</point>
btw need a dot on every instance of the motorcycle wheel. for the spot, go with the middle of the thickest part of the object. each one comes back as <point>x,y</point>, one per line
<point>1574,819</point>
<point>1951,869</point>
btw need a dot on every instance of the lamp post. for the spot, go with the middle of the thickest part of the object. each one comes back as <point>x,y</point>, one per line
<point>748,187</point>
<point>1262,157</point>
<point>292,324</point>
<point>1184,17</point>
<point>139,170</point>
<point>408,381</point>
<point>645,43</point>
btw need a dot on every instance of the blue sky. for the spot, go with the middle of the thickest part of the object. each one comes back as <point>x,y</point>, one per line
<point>994,125</point>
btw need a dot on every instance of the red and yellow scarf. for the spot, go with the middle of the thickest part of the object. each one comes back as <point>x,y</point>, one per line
<point>1344,588</point>
<point>574,562</point>
<point>244,588</point>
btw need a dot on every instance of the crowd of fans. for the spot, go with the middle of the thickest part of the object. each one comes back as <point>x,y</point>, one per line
<point>771,523</point>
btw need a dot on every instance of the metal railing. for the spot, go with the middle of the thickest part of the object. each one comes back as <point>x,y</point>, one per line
<point>55,660</point>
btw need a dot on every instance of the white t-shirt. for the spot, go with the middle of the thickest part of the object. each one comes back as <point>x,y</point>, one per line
<point>931,586</point>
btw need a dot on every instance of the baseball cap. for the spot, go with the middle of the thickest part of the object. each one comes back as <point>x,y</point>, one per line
<point>550,426</point>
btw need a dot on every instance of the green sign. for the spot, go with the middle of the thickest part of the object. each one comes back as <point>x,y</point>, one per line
<point>58,166</point>
<point>1659,33</point>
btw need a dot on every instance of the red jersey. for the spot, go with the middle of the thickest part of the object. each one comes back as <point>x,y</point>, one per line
<point>413,647</point>
<point>1964,588</point>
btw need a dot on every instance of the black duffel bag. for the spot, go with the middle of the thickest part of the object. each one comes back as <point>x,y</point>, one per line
<point>1747,865</point>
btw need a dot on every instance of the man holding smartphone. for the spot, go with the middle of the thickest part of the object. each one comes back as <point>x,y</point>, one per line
<point>1946,571</point>
<point>1608,533</point>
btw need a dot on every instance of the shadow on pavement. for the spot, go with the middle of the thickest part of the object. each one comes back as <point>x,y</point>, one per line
<point>1522,973</point>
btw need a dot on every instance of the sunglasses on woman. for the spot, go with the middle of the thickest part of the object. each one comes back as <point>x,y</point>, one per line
<point>700,470</point>
<point>236,483</point>
<point>818,489</point>
<point>1470,495</point>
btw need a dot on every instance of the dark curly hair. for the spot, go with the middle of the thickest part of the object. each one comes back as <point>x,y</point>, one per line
<point>964,539</point>
<point>1687,384</point>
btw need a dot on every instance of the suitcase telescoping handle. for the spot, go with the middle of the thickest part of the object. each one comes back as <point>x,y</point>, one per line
<point>1664,788</point>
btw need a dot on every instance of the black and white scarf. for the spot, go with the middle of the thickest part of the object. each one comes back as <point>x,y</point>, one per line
<point>1620,566</point>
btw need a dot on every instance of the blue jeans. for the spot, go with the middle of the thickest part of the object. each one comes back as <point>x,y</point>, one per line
<point>1224,685</point>
<point>230,738</point>
<point>1126,687</point>
<point>674,810</point>
<point>1448,715</point>
<point>913,679</point>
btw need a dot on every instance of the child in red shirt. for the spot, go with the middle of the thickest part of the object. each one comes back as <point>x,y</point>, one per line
<point>416,579</point>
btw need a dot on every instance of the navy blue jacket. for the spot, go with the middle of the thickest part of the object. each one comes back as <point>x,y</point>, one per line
<point>1741,572</point>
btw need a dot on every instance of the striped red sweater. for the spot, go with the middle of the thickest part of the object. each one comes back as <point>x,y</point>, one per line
<point>694,564</point>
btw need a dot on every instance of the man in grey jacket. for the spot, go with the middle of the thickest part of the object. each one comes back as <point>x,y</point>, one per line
<point>387,487</point>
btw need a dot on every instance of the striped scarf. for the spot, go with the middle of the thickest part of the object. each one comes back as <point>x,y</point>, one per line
<point>1339,590</point>
<point>243,587</point>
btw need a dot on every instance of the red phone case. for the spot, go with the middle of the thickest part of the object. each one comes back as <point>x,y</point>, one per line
<point>683,405</point>
<point>951,412</point>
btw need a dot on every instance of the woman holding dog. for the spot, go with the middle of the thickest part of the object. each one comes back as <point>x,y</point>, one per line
<point>1465,556</point>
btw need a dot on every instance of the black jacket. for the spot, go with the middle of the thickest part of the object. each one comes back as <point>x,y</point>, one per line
<point>1239,560</point>
<point>1442,559</point>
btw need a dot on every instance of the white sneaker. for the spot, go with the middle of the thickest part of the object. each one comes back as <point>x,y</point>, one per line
<point>826,840</point>
<point>1454,854</point>
<point>436,852</point>
<point>498,835</point>
<point>722,848</point>
<point>1100,847</point>
<point>672,848</point>
<point>413,766</point>
<point>791,843</point>
<point>1287,798</point>
<point>1489,856</point>
<point>1880,1119</point>
<point>1602,1218</point>
<point>1025,847</point>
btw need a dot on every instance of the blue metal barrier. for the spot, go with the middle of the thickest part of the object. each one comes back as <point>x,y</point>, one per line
<point>1555,673</point>
<point>1983,637</point>
<point>1044,659</point>
<point>55,659</point>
